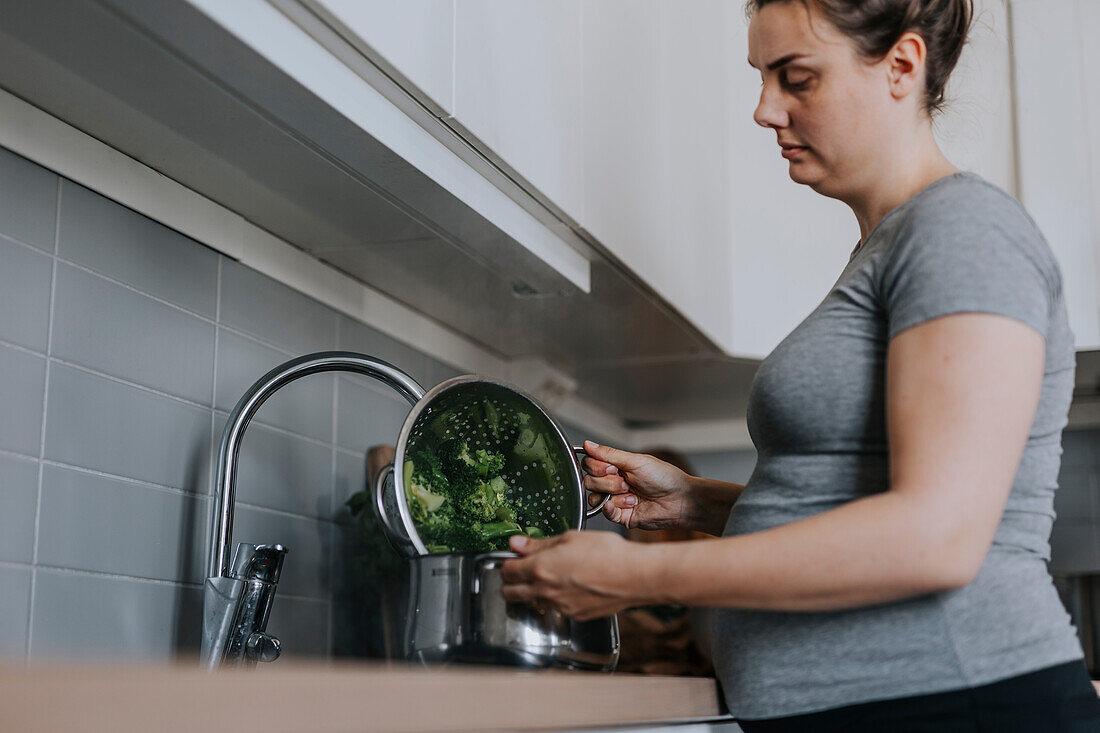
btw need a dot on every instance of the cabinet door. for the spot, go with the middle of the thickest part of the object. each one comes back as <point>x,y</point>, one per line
<point>415,38</point>
<point>1059,177</point>
<point>518,89</point>
<point>655,116</point>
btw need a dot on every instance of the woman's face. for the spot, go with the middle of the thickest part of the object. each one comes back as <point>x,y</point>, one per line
<point>829,106</point>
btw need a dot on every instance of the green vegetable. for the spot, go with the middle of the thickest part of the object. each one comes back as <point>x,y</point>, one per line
<point>488,464</point>
<point>459,500</point>
<point>497,530</point>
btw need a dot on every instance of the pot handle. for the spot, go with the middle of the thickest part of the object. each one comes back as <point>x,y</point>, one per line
<point>589,513</point>
<point>379,503</point>
<point>487,560</point>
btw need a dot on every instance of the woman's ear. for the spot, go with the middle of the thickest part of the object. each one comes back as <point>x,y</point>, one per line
<point>904,64</point>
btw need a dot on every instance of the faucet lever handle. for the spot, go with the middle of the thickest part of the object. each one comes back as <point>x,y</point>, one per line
<point>258,562</point>
<point>263,647</point>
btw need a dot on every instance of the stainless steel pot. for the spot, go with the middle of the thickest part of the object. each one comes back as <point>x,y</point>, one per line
<point>456,614</point>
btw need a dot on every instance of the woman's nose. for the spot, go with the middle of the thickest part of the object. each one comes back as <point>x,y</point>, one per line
<point>770,111</point>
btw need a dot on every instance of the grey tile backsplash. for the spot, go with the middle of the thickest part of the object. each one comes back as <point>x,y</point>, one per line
<point>21,390</point>
<point>28,201</point>
<point>121,355</point>
<point>114,241</point>
<point>24,295</point>
<point>18,496</point>
<point>14,604</point>
<point>96,324</point>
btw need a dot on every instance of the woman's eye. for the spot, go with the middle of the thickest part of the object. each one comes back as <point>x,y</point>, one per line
<point>796,82</point>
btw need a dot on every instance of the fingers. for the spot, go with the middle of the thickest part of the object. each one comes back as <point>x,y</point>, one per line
<point>525,546</point>
<point>622,500</point>
<point>606,484</point>
<point>518,593</point>
<point>620,458</point>
<point>619,513</point>
<point>521,545</point>
<point>595,467</point>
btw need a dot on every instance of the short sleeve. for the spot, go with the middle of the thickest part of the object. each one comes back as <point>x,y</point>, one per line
<point>969,249</point>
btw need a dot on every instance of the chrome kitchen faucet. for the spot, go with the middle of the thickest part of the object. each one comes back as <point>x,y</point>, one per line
<point>237,597</point>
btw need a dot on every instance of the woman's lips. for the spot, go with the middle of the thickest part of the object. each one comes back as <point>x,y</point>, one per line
<point>793,151</point>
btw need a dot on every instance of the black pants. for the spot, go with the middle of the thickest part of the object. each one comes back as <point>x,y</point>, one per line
<point>1057,699</point>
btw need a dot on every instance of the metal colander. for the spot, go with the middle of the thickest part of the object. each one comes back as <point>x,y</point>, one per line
<point>541,469</point>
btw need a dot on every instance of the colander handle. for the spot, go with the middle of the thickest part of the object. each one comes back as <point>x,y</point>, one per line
<point>580,452</point>
<point>379,502</point>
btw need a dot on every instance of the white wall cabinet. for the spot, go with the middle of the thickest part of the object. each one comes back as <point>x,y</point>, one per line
<point>655,116</point>
<point>1058,118</point>
<point>415,37</point>
<point>634,117</point>
<point>518,89</point>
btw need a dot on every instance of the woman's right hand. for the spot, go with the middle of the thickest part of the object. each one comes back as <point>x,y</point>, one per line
<point>646,492</point>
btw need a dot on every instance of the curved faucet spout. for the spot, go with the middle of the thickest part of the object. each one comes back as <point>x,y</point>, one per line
<point>280,376</point>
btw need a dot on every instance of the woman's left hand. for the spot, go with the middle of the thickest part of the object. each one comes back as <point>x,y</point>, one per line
<point>584,575</point>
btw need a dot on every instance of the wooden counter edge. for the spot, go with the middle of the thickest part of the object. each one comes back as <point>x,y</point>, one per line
<point>339,697</point>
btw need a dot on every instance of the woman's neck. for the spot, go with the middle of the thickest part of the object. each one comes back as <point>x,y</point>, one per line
<point>908,172</point>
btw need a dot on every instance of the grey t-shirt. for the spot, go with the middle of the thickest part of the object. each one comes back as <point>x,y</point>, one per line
<point>817,417</point>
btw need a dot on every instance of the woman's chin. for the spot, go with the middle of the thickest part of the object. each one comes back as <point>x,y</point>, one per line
<point>807,175</point>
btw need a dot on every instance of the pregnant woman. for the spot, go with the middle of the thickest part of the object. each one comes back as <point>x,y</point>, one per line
<point>885,566</point>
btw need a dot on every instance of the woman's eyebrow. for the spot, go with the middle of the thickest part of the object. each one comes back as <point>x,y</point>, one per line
<point>781,61</point>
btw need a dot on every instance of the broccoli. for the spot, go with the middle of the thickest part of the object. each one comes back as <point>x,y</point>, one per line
<point>486,500</point>
<point>458,464</point>
<point>459,500</point>
<point>426,470</point>
<point>488,464</point>
<point>419,485</point>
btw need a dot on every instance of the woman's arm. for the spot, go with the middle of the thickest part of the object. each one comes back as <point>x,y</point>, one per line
<point>961,397</point>
<point>649,493</point>
<point>709,504</point>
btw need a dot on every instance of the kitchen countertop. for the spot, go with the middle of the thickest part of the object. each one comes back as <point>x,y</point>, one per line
<point>297,697</point>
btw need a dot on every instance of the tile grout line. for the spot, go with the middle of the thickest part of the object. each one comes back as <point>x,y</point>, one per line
<point>42,433</point>
<point>16,565</point>
<point>63,570</point>
<point>181,400</point>
<point>133,289</point>
<point>215,321</point>
<point>335,427</point>
<point>332,503</point>
<point>18,456</point>
<point>152,485</point>
<point>21,243</point>
<point>16,347</point>
<point>128,383</point>
<point>208,534</point>
<point>283,512</point>
<point>103,574</point>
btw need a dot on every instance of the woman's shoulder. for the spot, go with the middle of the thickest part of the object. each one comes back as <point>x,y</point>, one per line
<point>967,202</point>
<point>969,216</point>
<point>964,245</point>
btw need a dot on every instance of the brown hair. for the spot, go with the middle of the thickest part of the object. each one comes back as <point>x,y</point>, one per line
<point>876,25</point>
